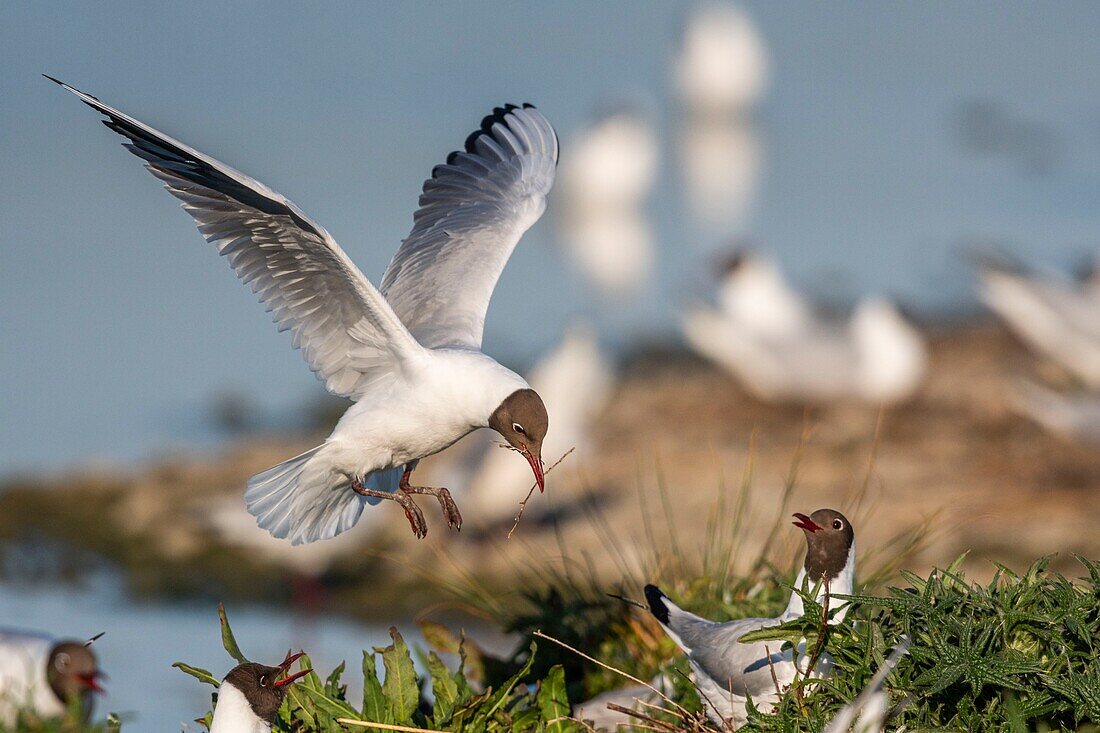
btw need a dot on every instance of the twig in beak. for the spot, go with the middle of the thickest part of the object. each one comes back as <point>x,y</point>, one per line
<point>523,504</point>
<point>629,601</point>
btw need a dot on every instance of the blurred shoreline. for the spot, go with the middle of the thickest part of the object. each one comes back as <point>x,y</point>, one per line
<point>956,460</point>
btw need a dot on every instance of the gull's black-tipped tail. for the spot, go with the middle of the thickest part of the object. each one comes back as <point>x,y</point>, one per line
<point>656,600</point>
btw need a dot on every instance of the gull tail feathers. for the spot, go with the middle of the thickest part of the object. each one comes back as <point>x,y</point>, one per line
<point>302,500</point>
<point>675,620</point>
<point>658,603</point>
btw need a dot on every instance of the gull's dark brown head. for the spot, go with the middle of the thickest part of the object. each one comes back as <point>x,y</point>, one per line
<point>72,671</point>
<point>522,421</point>
<point>829,538</point>
<point>265,687</point>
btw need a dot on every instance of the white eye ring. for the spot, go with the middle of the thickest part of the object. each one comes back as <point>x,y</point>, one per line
<point>62,662</point>
<point>838,525</point>
<point>518,428</point>
<point>263,680</point>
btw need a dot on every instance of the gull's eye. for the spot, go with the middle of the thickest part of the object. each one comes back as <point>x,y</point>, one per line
<point>838,525</point>
<point>263,680</point>
<point>518,428</point>
<point>62,662</point>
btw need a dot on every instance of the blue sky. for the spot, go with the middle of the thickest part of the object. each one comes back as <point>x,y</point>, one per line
<point>119,323</point>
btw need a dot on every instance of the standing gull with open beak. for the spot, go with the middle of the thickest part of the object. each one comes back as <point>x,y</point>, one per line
<point>728,671</point>
<point>251,694</point>
<point>407,354</point>
<point>43,675</point>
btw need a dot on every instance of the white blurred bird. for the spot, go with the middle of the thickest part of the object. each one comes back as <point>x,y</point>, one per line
<point>754,294</point>
<point>868,712</point>
<point>767,336</point>
<point>42,675</point>
<point>408,353</point>
<point>1057,318</point>
<point>576,380</point>
<point>1072,416</point>
<point>604,181</point>
<point>611,163</point>
<point>595,711</point>
<point>721,73</point>
<point>722,67</point>
<point>720,162</point>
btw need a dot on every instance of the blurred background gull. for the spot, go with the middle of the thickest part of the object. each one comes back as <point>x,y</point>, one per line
<point>772,340</point>
<point>605,178</point>
<point>1057,317</point>
<point>720,73</point>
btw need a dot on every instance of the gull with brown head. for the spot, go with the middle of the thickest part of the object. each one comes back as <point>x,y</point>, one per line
<point>43,675</point>
<point>730,672</point>
<point>407,353</point>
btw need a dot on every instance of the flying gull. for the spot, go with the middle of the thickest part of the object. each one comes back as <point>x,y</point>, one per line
<point>408,354</point>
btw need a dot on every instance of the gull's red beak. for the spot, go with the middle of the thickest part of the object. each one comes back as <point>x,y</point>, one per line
<point>536,468</point>
<point>292,678</point>
<point>285,665</point>
<point>805,523</point>
<point>91,681</point>
<point>290,659</point>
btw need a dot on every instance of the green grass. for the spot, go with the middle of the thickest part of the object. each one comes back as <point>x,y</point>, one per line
<point>461,698</point>
<point>1018,653</point>
<point>72,722</point>
<point>1015,654</point>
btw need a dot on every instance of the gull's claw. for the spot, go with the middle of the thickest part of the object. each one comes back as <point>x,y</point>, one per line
<point>413,514</point>
<point>401,496</point>
<point>450,509</point>
<point>446,503</point>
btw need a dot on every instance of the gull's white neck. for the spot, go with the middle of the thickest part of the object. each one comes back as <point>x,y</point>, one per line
<point>233,713</point>
<point>464,386</point>
<point>843,583</point>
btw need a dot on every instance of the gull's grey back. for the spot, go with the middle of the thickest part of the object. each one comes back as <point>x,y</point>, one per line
<point>743,669</point>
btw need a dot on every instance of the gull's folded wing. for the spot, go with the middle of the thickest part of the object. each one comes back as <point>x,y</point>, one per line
<point>473,211</point>
<point>345,328</point>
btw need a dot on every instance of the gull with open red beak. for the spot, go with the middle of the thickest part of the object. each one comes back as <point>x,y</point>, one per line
<point>805,523</point>
<point>729,671</point>
<point>251,694</point>
<point>44,676</point>
<point>407,353</point>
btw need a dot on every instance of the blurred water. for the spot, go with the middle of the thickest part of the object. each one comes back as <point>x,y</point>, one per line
<point>143,640</point>
<point>889,136</point>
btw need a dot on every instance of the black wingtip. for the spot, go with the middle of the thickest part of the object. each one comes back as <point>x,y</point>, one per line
<point>656,600</point>
<point>84,96</point>
<point>486,128</point>
<point>487,122</point>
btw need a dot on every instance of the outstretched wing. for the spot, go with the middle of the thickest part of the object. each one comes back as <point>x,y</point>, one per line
<point>345,328</point>
<point>473,211</point>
